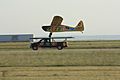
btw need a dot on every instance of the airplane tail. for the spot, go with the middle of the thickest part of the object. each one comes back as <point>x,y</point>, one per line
<point>80,26</point>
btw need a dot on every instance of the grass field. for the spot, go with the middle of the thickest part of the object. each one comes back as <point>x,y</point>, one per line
<point>85,60</point>
<point>60,73</point>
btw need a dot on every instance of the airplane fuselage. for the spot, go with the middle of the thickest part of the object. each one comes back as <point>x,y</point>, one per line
<point>60,28</point>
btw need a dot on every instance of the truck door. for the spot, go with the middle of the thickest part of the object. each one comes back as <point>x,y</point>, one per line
<point>46,42</point>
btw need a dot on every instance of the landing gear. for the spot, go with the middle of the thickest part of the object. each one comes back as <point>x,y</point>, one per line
<point>50,34</point>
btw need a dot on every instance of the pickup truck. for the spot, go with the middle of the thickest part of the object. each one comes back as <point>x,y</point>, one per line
<point>48,43</point>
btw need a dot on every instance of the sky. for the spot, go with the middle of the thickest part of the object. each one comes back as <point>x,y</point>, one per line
<point>100,17</point>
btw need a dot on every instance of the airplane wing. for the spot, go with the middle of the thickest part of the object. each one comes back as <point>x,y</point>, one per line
<point>39,38</point>
<point>51,37</point>
<point>61,37</point>
<point>56,22</point>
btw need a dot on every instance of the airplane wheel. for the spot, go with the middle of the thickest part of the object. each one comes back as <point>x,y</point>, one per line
<point>35,47</point>
<point>59,47</point>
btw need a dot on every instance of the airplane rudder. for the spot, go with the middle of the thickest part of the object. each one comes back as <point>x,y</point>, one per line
<point>80,26</point>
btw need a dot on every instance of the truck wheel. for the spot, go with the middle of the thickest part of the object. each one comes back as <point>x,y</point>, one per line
<point>35,47</point>
<point>59,47</point>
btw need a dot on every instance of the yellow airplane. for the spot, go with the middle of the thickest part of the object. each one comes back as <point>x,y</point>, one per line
<point>57,27</point>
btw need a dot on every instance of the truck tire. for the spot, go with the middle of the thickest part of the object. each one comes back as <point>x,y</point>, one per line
<point>35,47</point>
<point>59,47</point>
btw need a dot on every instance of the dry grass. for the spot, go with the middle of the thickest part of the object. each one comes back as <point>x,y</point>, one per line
<point>72,45</point>
<point>66,57</point>
<point>60,73</point>
<point>95,44</point>
<point>90,53</point>
<point>85,60</point>
<point>19,54</point>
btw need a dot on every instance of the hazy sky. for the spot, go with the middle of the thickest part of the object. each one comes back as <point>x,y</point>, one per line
<point>101,17</point>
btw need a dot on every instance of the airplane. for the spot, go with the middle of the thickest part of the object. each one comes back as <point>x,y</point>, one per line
<point>56,26</point>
